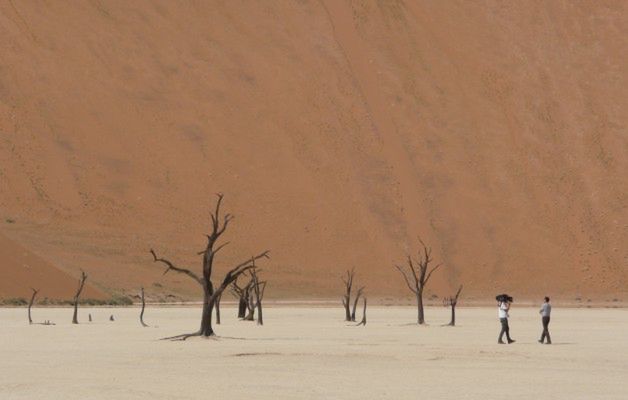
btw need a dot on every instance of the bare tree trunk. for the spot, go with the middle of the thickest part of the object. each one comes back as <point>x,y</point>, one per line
<point>242,307</point>
<point>355,303</point>
<point>421,312</point>
<point>453,301</point>
<point>346,300</point>
<point>251,309</point>
<point>77,296</point>
<point>240,294</point>
<point>30,305</point>
<point>247,303</point>
<point>143,306</point>
<point>260,318</point>
<point>206,327</point>
<point>217,307</point>
<point>258,289</point>
<point>363,322</point>
<point>206,318</point>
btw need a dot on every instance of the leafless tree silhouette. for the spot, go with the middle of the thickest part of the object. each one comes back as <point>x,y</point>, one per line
<point>416,276</point>
<point>258,289</point>
<point>452,301</point>
<point>143,307</point>
<point>82,280</point>
<point>363,322</point>
<point>355,302</point>
<point>30,304</point>
<point>347,279</point>
<point>242,295</point>
<point>210,293</point>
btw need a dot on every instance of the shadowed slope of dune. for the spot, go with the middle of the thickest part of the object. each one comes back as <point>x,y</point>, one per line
<point>21,270</point>
<point>339,131</point>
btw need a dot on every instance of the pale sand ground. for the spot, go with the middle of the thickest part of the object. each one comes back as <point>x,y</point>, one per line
<point>310,353</point>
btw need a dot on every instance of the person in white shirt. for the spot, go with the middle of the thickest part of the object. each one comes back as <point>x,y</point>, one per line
<point>503,308</point>
<point>545,311</point>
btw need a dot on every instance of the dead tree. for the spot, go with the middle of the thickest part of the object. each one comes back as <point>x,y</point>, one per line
<point>258,290</point>
<point>417,275</point>
<point>355,302</point>
<point>452,301</point>
<point>143,306</point>
<point>210,293</point>
<point>363,322</point>
<point>82,280</point>
<point>30,305</point>
<point>346,299</point>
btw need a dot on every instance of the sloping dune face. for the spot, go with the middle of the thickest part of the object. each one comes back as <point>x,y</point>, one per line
<point>339,131</point>
<point>21,269</point>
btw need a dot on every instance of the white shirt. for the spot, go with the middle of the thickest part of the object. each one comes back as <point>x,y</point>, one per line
<point>545,310</point>
<point>503,310</point>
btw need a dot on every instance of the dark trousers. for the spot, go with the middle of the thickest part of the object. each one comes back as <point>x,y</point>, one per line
<point>505,329</point>
<point>545,333</point>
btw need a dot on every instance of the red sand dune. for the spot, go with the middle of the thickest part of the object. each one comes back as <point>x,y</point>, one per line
<point>339,131</point>
<point>21,270</point>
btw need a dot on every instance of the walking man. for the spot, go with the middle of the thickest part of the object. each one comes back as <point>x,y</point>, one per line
<point>545,311</point>
<point>503,308</point>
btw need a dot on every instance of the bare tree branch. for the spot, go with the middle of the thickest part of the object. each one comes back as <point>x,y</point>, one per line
<point>405,277</point>
<point>171,266</point>
<point>430,273</point>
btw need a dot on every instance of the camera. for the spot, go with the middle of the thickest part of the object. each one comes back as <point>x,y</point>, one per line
<point>503,298</point>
